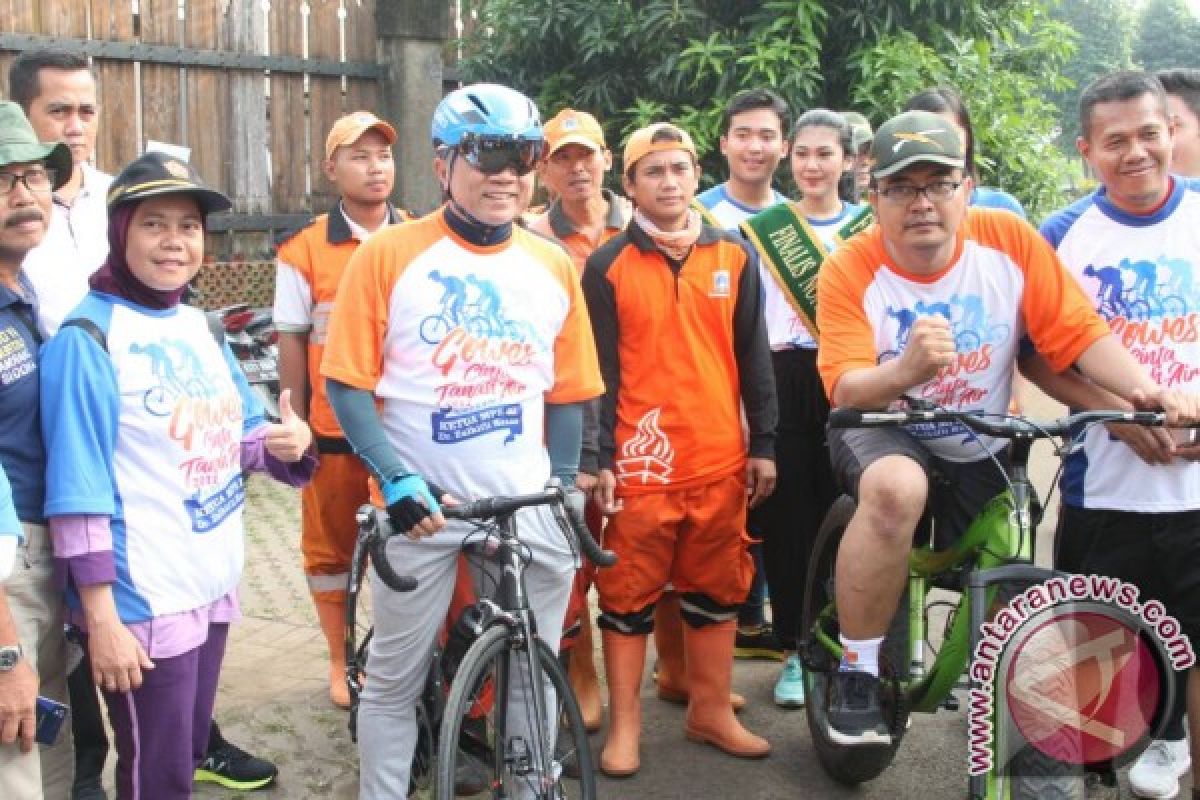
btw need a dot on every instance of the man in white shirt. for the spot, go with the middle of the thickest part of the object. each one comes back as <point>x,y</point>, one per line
<point>58,93</point>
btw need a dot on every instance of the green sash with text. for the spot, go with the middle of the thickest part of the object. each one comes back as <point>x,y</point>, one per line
<point>793,253</point>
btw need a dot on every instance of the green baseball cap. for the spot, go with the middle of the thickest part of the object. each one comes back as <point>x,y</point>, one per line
<point>915,137</point>
<point>19,144</point>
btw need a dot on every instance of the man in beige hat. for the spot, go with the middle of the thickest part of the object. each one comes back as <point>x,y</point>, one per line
<point>309,265</point>
<point>583,216</point>
<point>676,307</point>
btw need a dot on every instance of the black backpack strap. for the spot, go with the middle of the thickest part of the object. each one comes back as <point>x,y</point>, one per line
<point>90,328</point>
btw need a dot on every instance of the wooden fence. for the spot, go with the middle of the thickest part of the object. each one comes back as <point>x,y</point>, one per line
<point>251,86</point>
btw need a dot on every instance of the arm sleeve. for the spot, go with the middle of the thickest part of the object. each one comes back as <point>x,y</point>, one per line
<point>360,421</point>
<point>9,524</point>
<point>847,338</point>
<point>254,415</point>
<point>257,458</point>
<point>576,373</point>
<point>602,308</point>
<point>1058,317</point>
<point>564,435</point>
<point>589,455</point>
<point>753,351</point>
<point>293,299</point>
<point>79,424</point>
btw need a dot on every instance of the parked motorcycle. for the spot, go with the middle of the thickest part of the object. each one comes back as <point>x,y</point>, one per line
<point>254,341</point>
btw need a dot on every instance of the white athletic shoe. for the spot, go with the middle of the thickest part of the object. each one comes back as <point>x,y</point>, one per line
<point>1157,771</point>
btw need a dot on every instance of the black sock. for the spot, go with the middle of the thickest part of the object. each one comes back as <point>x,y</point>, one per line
<point>215,740</point>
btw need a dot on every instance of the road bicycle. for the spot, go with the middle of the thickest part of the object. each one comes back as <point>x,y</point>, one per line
<point>509,699</point>
<point>995,552</point>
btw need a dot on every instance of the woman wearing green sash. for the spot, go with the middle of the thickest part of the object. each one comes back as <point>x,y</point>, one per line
<point>793,239</point>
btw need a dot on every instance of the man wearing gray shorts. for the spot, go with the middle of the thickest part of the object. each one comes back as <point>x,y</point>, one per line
<point>888,308</point>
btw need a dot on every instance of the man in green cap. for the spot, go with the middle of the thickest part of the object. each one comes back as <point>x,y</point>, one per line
<point>893,307</point>
<point>32,645</point>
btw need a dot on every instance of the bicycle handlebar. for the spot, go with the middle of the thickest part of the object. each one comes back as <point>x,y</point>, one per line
<point>1004,427</point>
<point>566,504</point>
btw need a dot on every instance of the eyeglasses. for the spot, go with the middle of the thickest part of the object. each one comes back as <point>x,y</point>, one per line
<point>905,193</point>
<point>493,154</point>
<point>38,179</point>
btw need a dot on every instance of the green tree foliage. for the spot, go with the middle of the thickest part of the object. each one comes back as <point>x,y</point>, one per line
<point>1167,35</point>
<point>1104,43</point>
<point>635,61</point>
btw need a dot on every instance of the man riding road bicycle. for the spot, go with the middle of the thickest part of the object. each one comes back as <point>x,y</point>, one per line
<point>927,248</point>
<point>478,412</point>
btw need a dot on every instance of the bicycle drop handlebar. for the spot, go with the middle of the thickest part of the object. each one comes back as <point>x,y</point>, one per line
<point>566,504</point>
<point>1004,427</point>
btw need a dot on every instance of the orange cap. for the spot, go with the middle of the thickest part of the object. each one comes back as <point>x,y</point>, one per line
<point>642,143</point>
<point>573,127</point>
<point>350,127</point>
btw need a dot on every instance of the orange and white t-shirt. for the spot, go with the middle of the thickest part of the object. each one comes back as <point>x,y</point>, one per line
<point>1004,281</point>
<point>308,267</point>
<point>463,345</point>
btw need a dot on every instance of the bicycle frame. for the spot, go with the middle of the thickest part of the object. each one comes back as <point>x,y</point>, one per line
<point>508,605</point>
<point>998,542</point>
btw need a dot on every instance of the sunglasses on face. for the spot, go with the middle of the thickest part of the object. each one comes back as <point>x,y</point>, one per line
<point>493,154</point>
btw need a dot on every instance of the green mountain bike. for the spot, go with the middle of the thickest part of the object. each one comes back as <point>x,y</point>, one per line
<point>996,554</point>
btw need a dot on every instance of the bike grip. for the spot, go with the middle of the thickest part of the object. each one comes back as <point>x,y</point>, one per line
<point>845,418</point>
<point>393,580</point>
<point>574,503</point>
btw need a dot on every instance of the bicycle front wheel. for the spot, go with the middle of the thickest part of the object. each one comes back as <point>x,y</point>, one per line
<point>516,748</point>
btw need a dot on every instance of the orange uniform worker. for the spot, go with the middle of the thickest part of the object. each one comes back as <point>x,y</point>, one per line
<point>583,216</point>
<point>677,311</point>
<point>309,266</point>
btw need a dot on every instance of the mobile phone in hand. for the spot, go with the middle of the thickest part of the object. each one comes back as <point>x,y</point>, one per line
<point>50,717</point>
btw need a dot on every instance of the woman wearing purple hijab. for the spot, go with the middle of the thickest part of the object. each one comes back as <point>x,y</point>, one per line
<point>149,424</point>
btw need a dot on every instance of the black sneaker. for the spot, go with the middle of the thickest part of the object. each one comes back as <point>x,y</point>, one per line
<point>234,768</point>
<point>758,642</point>
<point>855,716</point>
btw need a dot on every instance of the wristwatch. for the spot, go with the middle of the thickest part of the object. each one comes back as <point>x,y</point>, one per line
<point>10,654</point>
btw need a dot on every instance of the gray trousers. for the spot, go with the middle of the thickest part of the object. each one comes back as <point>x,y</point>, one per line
<point>406,626</point>
<point>37,608</point>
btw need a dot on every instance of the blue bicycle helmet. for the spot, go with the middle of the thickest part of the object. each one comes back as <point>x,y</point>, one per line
<point>485,109</point>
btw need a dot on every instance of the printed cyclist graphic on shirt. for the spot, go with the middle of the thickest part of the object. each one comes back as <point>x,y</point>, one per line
<point>1149,306</point>
<point>476,345</point>
<point>473,303</point>
<point>976,336</point>
<point>204,422</point>
<point>178,371</point>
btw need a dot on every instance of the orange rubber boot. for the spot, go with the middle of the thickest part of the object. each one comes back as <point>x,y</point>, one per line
<point>709,716</point>
<point>624,658</point>
<point>672,679</point>
<point>581,670</point>
<point>331,613</point>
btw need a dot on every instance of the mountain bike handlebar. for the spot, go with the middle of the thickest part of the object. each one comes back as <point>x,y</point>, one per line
<point>1000,426</point>
<point>566,504</point>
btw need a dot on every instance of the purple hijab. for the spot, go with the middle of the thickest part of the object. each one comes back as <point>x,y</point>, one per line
<point>114,276</point>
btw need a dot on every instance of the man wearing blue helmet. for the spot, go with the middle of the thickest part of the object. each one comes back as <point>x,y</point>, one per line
<point>497,410</point>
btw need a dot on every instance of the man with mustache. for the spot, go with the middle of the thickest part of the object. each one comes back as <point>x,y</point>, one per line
<point>925,249</point>
<point>33,657</point>
<point>310,263</point>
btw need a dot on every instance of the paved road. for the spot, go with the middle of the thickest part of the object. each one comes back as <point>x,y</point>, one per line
<point>272,701</point>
